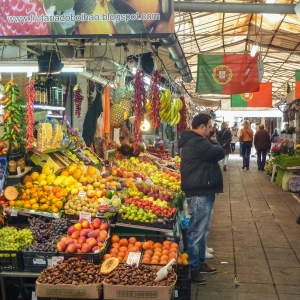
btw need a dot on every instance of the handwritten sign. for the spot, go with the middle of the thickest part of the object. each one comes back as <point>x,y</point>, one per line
<point>85,215</point>
<point>138,179</point>
<point>134,258</point>
<point>56,260</point>
<point>81,193</point>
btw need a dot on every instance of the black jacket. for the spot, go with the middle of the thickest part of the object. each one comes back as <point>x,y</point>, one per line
<point>224,138</point>
<point>199,167</point>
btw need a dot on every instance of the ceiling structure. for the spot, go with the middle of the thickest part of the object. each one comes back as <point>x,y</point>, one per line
<point>214,30</point>
<point>202,27</point>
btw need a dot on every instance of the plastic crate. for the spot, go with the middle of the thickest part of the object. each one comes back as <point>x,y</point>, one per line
<point>183,284</point>
<point>37,261</point>
<point>11,260</point>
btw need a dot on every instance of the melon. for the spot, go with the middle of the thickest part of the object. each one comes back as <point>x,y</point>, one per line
<point>11,193</point>
<point>109,265</point>
<point>27,178</point>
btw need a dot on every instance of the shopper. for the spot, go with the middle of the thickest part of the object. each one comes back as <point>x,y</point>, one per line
<point>233,139</point>
<point>201,179</point>
<point>224,138</point>
<point>262,144</point>
<point>274,136</point>
<point>240,143</point>
<point>286,129</point>
<point>253,128</point>
<point>246,138</point>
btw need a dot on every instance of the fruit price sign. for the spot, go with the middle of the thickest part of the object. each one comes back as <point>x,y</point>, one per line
<point>133,258</point>
<point>56,260</point>
<point>85,215</point>
<point>86,17</point>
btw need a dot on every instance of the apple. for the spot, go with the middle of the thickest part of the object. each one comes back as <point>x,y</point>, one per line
<point>85,224</point>
<point>69,241</point>
<point>77,226</point>
<point>71,229</point>
<point>81,240</point>
<point>78,245</point>
<point>103,234</point>
<point>85,248</point>
<point>75,235</point>
<point>61,246</point>
<point>100,240</point>
<point>91,241</point>
<point>72,248</point>
<point>84,232</point>
<point>114,172</point>
<point>119,173</point>
<point>96,223</point>
<point>92,227</point>
<point>104,226</point>
<point>93,234</point>
<point>74,192</point>
<point>95,249</point>
<point>91,193</point>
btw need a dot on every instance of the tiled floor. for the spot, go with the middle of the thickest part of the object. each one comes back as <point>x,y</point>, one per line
<point>255,237</point>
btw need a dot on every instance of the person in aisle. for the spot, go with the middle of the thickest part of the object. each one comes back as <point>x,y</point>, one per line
<point>238,136</point>
<point>201,179</point>
<point>224,138</point>
<point>286,130</point>
<point>262,144</point>
<point>246,138</point>
<point>253,128</point>
<point>233,138</point>
<point>274,136</point>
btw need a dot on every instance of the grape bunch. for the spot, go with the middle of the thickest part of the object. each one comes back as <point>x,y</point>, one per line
<point>13,239</point>
<point>60,226</point>
<point>78,98</point>
<point>41,229</point>
<point>49,246</point>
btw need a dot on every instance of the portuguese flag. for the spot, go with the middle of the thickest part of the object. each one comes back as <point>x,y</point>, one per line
<point>263,98</point>
<point>227,74</point>
<point>297,87</point>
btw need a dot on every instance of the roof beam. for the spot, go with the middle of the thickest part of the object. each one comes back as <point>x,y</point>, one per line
<point>231,7</point>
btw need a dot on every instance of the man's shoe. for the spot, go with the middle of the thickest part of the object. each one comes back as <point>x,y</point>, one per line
<point>209,250</point>
<point>208,255</point>
<point>262,169</point>
<point>258,169</point>
<point>224,168</point>
<point>206,269</point>
<point>243,167</point>
<point>197,278</point>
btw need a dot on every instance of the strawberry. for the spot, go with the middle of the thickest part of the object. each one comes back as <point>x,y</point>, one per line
<point>20,8</point>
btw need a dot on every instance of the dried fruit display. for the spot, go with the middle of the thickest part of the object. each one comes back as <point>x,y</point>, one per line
<point>22,8</point>
<point>78,98</point>
<point>154,98</point>
<point>30,96</point>
<point>141,276</point>
<point>72,271</point>
<point>139,107</point>
<point>182,123</point>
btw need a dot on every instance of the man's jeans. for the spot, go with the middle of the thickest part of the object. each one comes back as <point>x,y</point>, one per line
<point>200,208</point>
<point>261,158</point>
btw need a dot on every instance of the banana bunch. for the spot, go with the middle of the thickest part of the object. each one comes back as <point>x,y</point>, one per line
<point>165,106</point>
<point>148,108</point>
<point>175,111</point>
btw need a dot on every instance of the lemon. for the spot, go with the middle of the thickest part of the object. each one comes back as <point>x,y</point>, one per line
<point>66,182</point>
<point>35,176</point>
<point>50,178</point>
<point>46,170</point>
<point>57,181</point>
<point>42,182</point>
<point>41,177</point>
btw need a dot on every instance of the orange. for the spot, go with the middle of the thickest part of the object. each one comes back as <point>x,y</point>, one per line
<point>147,255</point>
<point>12,203</point>
<point>157,245</point>
<point>54,209</point>
<point>28,184</point>
<point>158,250</point>
<point>165,252</point>
<point>46,188</point>
<point>146,260</point>
<point>120,258</point>
<point>123,249</point>
<point>172,255</point>
<point>149,251</point>
<point>151,243</point>
<point>133,249</point>
<point>125,259</point>
<point>157,254</point>
<point>115,238</point>
<point>106,256</point>
<point>154,257</point>
<point>164,257</point>
<point>113,250</point>
<point>27,205</point>
<point>56,189</point>
<point>154,261</point>
<point>184,262</point>
<point>184,256</point>
<point>121,254</point>
<point>174,245</point>
<point>115,245</point>
<point>166,243</point>
<point>123,242</point>
<point>163,262</point>
<point>146,246</point>
<point>24,196</point>
<point>32,201</point>
<point>132,240</point>
<point>59,194</point>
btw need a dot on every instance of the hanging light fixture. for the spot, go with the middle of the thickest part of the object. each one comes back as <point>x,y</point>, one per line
<point>49,63</point>
<point>254,50</point>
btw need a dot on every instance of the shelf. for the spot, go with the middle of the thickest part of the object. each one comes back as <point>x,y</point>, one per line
<point>48,107</point>
<point>145,227</point>
<point>54,116</point>
<point>41,153</point>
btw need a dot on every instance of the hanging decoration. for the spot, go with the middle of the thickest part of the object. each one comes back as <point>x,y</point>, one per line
<point>78,98</point>
<point>139,107</point>
<point>30,96</point>
<point>154,98</point>
<point>183,120</point>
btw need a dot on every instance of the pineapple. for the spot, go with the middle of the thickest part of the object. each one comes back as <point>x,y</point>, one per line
<point>126,104</point>
<point>116,116</point>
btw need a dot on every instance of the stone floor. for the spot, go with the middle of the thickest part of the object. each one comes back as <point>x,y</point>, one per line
<point>255,237</point>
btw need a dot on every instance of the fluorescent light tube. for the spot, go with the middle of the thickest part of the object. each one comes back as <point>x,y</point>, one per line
<point>254,50</point>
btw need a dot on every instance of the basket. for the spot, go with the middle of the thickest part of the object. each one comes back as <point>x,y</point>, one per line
<point>11,260</point>
<point>37,261</point>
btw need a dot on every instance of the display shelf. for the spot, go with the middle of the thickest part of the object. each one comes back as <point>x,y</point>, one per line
<point>41,153</point>
<point>27,212</point>
<point>145,227</point>
<point>47,107</point>
<point>55,116</point>
<point>26,170</point>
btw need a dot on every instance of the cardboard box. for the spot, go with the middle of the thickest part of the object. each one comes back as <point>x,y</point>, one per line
<point>68,291</point>
<point>127,292</point>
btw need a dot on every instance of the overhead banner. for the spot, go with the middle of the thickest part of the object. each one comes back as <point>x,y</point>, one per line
<point>227,74</point>
<point>297,85</point>
<point>79,18</point>
<point>263,98</point>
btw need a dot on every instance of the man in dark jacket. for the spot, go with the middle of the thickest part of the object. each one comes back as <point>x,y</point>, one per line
<point>201,179</point>
<point>262,144</point>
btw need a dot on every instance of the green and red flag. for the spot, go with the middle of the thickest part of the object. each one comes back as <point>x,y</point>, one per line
<point>263,98</point>
<point>297,86</point>
<point>227,74</point>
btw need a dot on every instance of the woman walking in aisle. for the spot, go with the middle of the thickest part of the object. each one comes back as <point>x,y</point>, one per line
<point>246,138</point>
<point>224,138</point>
<point>233,138</point>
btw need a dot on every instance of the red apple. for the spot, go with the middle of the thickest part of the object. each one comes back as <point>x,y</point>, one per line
<point>84,232</point>
<point>93,234</point>
<point>91,241</point>
<point>104,226</point>
<point>85,248</point>
<point>100,240</point>
<point>61,246</point>
<point>100,245</point>
<point>71,229</point>
<point>95,249</point>
<point>92,227</point>
<point>78,246</point>
<point>82,220</point>
<point>79,251</point>
<point>96,223</point>
<point>85,224</point>
<point>103,234</point>
<point>72,248</point>
<point>81,240</point>
<point>75,235</point>
<point>69,241</point>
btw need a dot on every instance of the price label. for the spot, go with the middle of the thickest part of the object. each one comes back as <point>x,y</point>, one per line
<point>81,193</point>
<point>14,213</point>
<point>56,260</point>
<point>39,261</point>
<point>138,179</point>
<point>19,171</point>
<point>149,181</point>
<point>85,215</point>
<point>133,258</point>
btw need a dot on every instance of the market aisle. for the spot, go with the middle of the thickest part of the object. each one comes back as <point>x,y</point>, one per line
<point>255,237</point>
